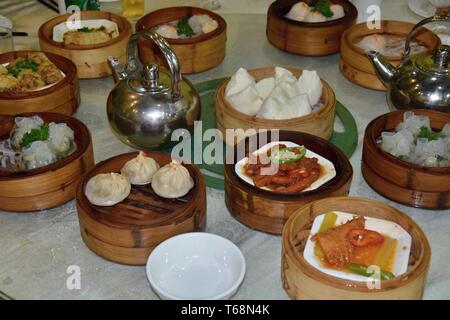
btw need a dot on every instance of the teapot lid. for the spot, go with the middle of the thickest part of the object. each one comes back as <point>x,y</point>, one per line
<point>436,63</point>
<point>149,82</point>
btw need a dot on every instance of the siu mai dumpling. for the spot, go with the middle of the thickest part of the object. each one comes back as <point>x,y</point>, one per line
<point>265,87</point>
<point>247,101</point>
<point>309,83</point>
<point>298,11</point>
<point>172,181</point>
<point>107,189</point>
<point>240,81</point>
<point>140,170</point>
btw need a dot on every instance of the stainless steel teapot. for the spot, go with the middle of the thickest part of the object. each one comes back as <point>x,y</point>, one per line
<point>421,81</point>
<point>147,103</point>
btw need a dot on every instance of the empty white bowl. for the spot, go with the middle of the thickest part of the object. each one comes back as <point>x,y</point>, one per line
<point>197,266</point>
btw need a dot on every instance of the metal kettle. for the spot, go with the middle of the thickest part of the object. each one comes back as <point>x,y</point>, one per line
<point>421,81</point>
<point>148,103</point>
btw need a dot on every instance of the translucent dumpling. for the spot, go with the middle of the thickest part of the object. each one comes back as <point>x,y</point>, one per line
<point>172,181</point>
<point>39,154</point>
<point>298,11</point>
<point>265,87</point>
<point>309,83</point>
<point>246,101</point>
<point>140,170</point>
<point>338,11</point>
<point>167,31</point>
<point>107,189</point>
<point>376,42</point>
<point>399,144</point>
<point>314,17</point>
<point>22,126</point>
<point>413,123</point>
<point>61,138</point>
<point>240,81</point>
<point>202,23</point>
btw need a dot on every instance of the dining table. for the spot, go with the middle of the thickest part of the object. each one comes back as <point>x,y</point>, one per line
<point>37,249</point>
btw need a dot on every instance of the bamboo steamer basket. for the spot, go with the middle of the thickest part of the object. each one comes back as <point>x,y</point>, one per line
<point>127,232</point>
<point>91,60</point>
<point>355,65</point>
<point>302,281</point>
<point>48,186</point>
<point>268,211</point>
<point>309,39</point>
<point>62,97</point>
<point>194,54</point>
<point>319,123</point>
<point>400,180</point>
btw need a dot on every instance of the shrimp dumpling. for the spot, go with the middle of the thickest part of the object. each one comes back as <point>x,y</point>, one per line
<point>376,42</point>
<point>338,11</point>
<point>61,138</point>
<point>298,11</point>
<point>23,125</point>
<point>309,83</point>
<point>167,31</point>
<point>172,181</point>
<point>315,16</point>
<point>140,170</point>
<point>240,81</point>
<point>247,101</point>
<point>107,189</point>
<point>202,23</point>
<point>39,154</point>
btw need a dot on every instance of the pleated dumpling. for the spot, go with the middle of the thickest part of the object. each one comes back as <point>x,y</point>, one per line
<point>240,81</point>
<point>107,189</point>
<point>172,181</point>
<point>140,170</point>
<point>265,86</point>
<point>309,83</point>
<point>298,11</point>
<point>246,101</point>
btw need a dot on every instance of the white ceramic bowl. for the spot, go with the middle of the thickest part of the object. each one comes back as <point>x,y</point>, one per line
<point>196,265</point>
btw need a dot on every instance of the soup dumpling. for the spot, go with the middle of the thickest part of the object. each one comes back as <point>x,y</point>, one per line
<point>107,189</point>
<point>315,17</point>
<point>167,31</point>
<point>140,170</point>
<point>338,11</point>
<point>172,181</point>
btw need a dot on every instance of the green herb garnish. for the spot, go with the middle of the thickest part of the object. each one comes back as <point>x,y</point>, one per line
<point>428,134</point>
<point>23,64</point>
<point>87,29</point>
<point>40,134</point>
<point>183,27</point>
<point>324,7</point>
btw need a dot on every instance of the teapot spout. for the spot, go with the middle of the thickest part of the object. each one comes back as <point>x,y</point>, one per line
<point>386,72</point>
<point>118,68</point>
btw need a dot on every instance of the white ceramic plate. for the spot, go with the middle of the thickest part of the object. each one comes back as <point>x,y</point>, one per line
<point>385,227</point>
<point>196,266</point>
<point>44,87</point>
<point>60,29</point>
<point>422,7</point>
<point>327,165</point>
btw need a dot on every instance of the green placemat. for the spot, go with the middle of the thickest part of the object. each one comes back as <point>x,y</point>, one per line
<point>346,140</point>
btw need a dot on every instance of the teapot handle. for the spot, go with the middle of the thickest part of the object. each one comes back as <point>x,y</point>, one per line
<point>407,51</point>
<point>134,64</point>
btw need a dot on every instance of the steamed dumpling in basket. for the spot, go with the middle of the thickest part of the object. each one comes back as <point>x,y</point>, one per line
<point>172,181</point>
<point>39,154</point>
<point>107,189</point>
<point>23,125</point>
<point>61,138</point>
<point>140,170</point>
